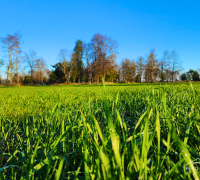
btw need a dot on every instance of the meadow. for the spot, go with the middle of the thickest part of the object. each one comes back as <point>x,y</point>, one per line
<point>121,131</point>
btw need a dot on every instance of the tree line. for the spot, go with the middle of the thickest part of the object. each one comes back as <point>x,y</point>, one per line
<point>17,62</point>
<point>88,63</point>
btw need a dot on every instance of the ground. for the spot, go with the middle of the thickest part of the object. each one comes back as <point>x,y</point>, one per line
<point>141,131</point>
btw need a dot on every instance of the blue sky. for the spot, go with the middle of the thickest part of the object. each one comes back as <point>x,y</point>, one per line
<point>138,26</point>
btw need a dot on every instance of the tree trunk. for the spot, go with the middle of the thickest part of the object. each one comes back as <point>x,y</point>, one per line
<point>17,74</point>
<point>8,70</point>
<point>31,76</point>
<point>7,75</point>
<point>17,66</point>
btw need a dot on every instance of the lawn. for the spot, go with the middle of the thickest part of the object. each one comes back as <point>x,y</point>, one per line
<point>120,131</point>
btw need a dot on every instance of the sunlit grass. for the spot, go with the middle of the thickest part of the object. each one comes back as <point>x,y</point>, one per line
<point>96,132</point>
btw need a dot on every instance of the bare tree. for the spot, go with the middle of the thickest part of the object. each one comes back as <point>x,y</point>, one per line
<point>23,74</point>
<point>119,71</point>
<point>1,64</point>
<point>164,65</point>
<point>9,42</point>
<point>46,73</point>
<point>63,54</point>
<point>140,66</point>
<point>17,42</point>
<point>156,71</point>
<point>103,55</point>
<point>30,59</point>
<point>40,66</point>
<point>198,70</point>
<point>128,69</point>
<point>152,67</point>
<point>174,64</point>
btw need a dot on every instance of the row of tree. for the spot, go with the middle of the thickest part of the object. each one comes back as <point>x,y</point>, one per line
<point>151,69</point>
<point>37,71</point>
<point>190,75</point>
<point>87,63</point>
<point>91,61</point>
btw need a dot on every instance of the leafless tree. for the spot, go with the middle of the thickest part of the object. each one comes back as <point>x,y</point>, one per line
<point>9,43</point>
<point>63,56</point>
<point>1,64</point>
<point>30,59</point>
<point>17,42</point>
<point>152,67</point>
<point>104,50</point>
<point>40,67</point>
<point>23,74</point>
<point>174,64</point>
<point>164,65</point>
<point>198,70</point>
<point>128,69</point>
<point>140,66</point>
<point>119,71</point>
<point>46,73</point>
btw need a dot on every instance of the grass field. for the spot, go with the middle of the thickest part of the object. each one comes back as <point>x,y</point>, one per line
<point>121,131</point>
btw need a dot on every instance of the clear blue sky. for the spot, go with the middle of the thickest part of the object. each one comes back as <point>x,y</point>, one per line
<point>138,26</point>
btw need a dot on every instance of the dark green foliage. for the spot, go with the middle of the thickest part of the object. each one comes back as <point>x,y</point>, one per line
<point>183,77</point>
<point>60,76</point>
<point>190,74</point>
<point>27,79</point>
<point>195,76</point>
<point>112,74</point>
<point>77,66</point>
<point>52,78</point>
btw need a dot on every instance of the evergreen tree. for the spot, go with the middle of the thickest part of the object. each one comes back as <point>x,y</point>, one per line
<point>74,68</point>
<point>77,66</point>
<point>58,72</point>
<point>183,77</point>
<point>190,74</point>
<point>195,76</point>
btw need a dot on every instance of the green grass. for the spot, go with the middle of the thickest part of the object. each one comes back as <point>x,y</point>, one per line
<point>120,131</point>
